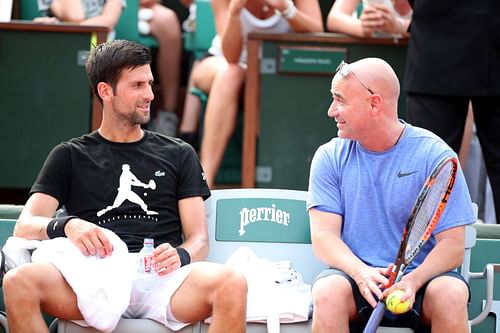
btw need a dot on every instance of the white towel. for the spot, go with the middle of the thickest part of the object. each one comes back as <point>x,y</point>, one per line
<point>102,285</point>
<point>276,293</point>
<point>17,251</point>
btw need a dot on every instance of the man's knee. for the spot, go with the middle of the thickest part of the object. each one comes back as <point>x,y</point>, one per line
<point>216,280</point>
<point>332,292</point>
<point>231,282</point>
<point>445,295</point>
<point>19,281</point>
<point>447,290</point>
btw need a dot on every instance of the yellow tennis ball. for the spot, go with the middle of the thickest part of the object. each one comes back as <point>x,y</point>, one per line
<point>394,304</point>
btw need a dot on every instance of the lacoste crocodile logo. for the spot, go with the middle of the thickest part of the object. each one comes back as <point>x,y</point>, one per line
<point>404,174</point>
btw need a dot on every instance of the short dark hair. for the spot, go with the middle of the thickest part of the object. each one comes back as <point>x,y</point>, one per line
<point>108,60</point>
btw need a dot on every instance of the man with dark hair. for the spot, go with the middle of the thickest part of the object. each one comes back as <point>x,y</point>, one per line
<point>83,175</point>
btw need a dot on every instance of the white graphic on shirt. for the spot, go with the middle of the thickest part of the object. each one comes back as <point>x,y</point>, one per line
<point>127,180</point>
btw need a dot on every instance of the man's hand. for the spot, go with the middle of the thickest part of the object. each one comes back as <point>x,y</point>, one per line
<point>88,237</point>
<point>371,282</point>
<point>166,259</point>
<point>409,285</point>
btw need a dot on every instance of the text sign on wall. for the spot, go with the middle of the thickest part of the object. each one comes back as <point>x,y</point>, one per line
<point>310,60</point>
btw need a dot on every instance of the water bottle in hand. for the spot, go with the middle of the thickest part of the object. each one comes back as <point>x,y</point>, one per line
<point>146,274</point>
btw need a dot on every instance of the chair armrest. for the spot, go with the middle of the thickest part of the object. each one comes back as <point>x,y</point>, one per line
<point>487,274</point>
<point>488,231</point>
<point>3,321</point>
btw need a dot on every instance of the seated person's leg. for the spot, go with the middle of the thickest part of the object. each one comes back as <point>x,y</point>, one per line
<point>202,76</point>
<point>212,290</point>
<point>32,288</point>
<point>220,118</point>
<point>188,130</point>
<point>445,304</point>
<point>68,11</point>
<point>334,305</point>
<point>165,27</point>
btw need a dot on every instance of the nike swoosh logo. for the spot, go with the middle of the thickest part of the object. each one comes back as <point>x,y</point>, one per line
<point>404,174</point>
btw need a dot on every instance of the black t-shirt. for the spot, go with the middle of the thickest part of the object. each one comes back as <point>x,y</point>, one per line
<point>130,188</point>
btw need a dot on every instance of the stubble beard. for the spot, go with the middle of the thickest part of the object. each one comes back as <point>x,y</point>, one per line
<point>138,119</point>
<point>134,117</point>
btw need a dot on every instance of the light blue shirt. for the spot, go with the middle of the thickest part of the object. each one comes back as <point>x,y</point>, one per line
<point>374,192</point>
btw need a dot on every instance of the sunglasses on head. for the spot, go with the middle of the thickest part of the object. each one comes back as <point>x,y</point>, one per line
<point>344,69</point>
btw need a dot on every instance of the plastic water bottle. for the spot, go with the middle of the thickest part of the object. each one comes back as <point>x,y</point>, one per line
<point>146,274</point>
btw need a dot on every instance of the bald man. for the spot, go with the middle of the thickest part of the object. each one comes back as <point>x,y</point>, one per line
<point>362,187</point>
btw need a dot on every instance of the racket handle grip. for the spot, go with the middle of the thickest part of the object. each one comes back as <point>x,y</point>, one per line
<point>375,318</point>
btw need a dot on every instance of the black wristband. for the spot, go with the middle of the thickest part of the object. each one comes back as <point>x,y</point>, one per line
<point>183,255</point>
<point>55,228</point>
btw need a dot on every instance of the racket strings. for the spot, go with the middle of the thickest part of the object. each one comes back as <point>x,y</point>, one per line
<point>436,190</point>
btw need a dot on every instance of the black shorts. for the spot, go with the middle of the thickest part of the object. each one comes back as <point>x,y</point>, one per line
<point>409,319</point>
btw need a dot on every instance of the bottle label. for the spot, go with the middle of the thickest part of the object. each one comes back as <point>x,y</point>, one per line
<point>147,263</point>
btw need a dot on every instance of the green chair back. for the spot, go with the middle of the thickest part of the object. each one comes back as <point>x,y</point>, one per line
<point>126,28</point>
<point>9,211</point>
<point>199,41</point>
<point>273,223</point>
<point>28,10</point>
<point>6,229</point>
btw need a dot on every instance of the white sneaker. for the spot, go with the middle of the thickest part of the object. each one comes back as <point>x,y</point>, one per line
<point>166,123</point>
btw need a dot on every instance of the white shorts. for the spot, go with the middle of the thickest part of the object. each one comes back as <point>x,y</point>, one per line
<point>106,287</point>
<point>156,305</point>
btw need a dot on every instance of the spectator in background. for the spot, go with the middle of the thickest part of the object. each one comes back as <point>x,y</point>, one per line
<point>379,18</point>
<point>453,59</point>
<point>165,28</point>
<point>222,74</point>
<point>154,19</point>
<point>101,13</point>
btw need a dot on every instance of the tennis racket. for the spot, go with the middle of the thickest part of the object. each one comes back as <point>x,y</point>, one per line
<point>424,216</point>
